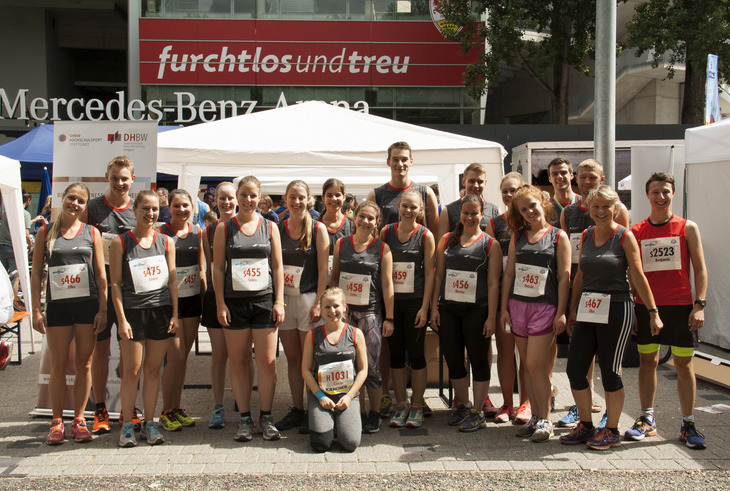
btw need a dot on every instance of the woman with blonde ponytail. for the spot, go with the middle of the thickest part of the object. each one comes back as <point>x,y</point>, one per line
<point>304,250</point>
<point>76,304</point>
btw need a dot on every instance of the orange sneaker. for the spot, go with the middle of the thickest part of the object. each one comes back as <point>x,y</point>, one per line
<point>56,436</point>
<point>79,431</point>
<point>101,421</point>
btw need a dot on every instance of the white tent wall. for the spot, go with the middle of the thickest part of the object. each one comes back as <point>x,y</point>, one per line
<point>650,158</point>
<point>13,203</point>
<point>707,156</point>
<point>315,141</point>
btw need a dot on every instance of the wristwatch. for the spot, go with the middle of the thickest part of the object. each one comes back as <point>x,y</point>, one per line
<point>701,302</point>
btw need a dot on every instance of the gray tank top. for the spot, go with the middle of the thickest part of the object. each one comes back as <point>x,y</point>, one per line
<point>292,255</point>
<point>132,251</point>
<point>408,253</point>
<point>577,220</point>
<point>365,263</point>
<point>386,197</point>
<point>604,268</point>
<point>256,246</point>
<point>542,253</point>
<point>110,220</point>
<point>454,210</point>
<point>66,252</point>
<point>325,352</point>
<point>472,258</point>
<point>346,229</point>
<point>502,233</point>
<point>187,250</point>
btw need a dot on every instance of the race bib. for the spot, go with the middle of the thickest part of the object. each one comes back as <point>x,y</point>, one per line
<point>403,274</point>
<point>336,377</point>
<point>356,288</point>
<point>148,273</point>
<point>460,286</point>
<point>106,243</point>
<point>662,254</point>
<point>292,278</point>
<point>575,247</point>
<point>188,281</point>
<point>69,281</point>
<point>593,307</point>
<point>530,280</point>
<point>249,275</point>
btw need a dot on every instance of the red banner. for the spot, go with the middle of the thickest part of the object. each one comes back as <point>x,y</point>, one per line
<point>311,53</point>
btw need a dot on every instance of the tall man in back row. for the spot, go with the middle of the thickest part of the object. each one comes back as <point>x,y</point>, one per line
<point>400,160</point>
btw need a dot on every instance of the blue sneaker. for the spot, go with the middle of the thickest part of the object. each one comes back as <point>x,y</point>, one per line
<point>571,419</point>
<point>217,419</point>
<point>473,421</point>
<point>602,424</point>
<point>642,428</point>
<point>458,415</point>
<point>691,437</point>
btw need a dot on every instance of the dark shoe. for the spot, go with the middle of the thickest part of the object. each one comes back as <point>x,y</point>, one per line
<point>371,423</point>
<point>293,419</point>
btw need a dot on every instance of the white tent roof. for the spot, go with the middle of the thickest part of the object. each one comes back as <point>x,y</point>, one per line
<point>709,143</point>
<point>315,141</point>
<point>13,203</point>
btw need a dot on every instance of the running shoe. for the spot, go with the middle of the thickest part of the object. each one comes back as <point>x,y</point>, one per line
<point>182,417</point>
<point>488,408</point>
<point>371,424</point>
<point>168,421</point>
<point>641,429</point>
<point>595,407</point>
<point>691,437</point>
<point>126,437</point>
<point>455,404</point>
<point>415,417</point>
<point>386,406</point>
<point>427,411</point>
<point>217,418</point>
<point>528,428</point>
<point>522,415</point>
<point>152,433</point>
<point>293,419</point>
<point>458,415</point>
<point>571,419</point>
<point>604,420</point>
<point>504,415</point>
<point>268,428</point>
<point>604,439</point>
<point>543,431</point>
<point>400,417</point>
<point>136,421</point>
<point>101,421</point>
<point>579,435</point>
<point>245,429</point>
<point>553,396</point>
<point>79,431</point>
<point>56,435</point>
<point>473,421</point>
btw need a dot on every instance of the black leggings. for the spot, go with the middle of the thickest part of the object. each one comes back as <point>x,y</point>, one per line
<point>461,327</point>
<point>608,341</point>
<point>405,337</point>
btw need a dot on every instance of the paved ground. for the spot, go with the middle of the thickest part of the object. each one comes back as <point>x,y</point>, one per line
<point>435,456</point>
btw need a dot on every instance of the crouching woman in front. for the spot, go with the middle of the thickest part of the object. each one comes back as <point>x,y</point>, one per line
<point>334,352</point>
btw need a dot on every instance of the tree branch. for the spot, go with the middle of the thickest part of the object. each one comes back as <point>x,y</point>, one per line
<point>534,74</point>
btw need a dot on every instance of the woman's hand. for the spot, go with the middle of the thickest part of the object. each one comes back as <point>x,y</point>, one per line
<point>39,321</point>
<point>224,316</point>
<point>125,330</point>
<point>277,313</point>
<point>435,320</point>
<point>327,403</point>
<point>343,403</point>
<point>99,322</point>
<point>421,318</point>
<point>315,313</point>
<point>174,325</point>
<point>559,323</point>
<point>387,328</point>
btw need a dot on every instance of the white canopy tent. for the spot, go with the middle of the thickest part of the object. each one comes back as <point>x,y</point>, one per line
<point>315,141</point>
<point>13,203</point>
<point>707,157</point>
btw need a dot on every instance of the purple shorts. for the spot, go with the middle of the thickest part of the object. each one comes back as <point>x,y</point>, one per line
<point>531,319</point>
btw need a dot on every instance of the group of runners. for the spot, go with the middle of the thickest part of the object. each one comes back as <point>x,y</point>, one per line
<point>350,300</point>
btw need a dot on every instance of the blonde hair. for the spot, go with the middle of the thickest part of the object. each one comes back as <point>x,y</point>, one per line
<point>306,239</point>
<point>606,192</point>
<point>334,291</point>
<point>591,164</point>
<point>56,227</point>
<point>373,206</point>
<point>515,221</point>
<point>513,175</point>
<point>121,161</point>
<point>420,218</point>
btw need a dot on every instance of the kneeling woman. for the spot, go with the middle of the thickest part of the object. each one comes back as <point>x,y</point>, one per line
<point>335,352</point>
<point>144,292</point>
<point>76,299</point>
<point>468,265</point>
<point>602,299</point>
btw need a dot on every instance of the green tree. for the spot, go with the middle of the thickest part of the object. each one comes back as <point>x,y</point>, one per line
<point>686,31</point>
<point>564,32</point>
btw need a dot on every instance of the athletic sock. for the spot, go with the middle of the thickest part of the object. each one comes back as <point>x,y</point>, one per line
<point>264,413</point>
<point>100,405</point>
<point>587,426</point>
<point>247,414</point>
<point>614,431</point>
<point>648,413</point>
<point>688,419</point>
